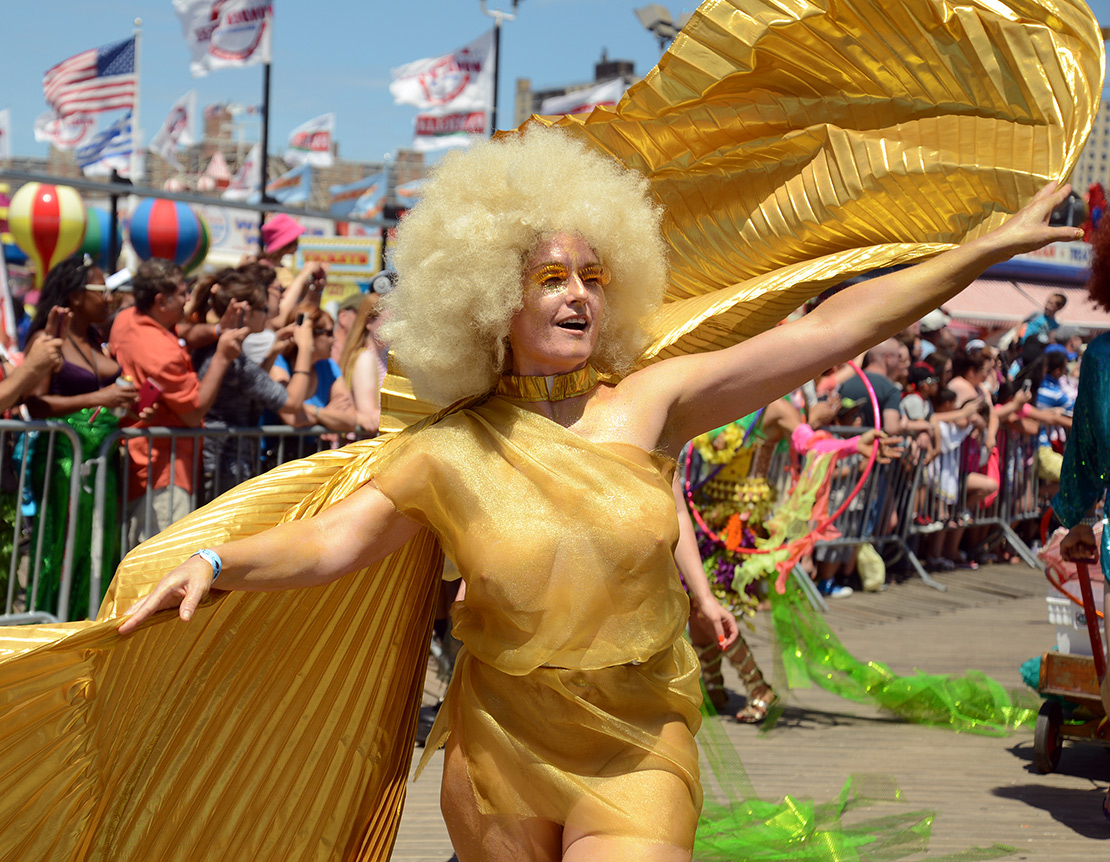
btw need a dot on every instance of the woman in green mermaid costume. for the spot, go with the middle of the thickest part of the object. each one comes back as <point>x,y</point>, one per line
<point>83,394</point>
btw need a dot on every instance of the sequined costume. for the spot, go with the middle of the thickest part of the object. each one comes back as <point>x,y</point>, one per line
<point>791,148</point>
<point>733,501</point>
<point>1085,474</point>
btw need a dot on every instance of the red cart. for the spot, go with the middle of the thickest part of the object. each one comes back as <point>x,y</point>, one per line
<point>1075,678</point>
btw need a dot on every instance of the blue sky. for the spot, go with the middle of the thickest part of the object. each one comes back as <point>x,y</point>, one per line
<point>329,55</point>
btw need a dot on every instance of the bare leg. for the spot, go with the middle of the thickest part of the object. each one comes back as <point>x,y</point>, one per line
<point>479,837</point>
<point>592,834</point>
<point>592,848</point>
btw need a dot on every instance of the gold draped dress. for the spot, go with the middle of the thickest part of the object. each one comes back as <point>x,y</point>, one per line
<point>575,686</point>
<point>792,145</point>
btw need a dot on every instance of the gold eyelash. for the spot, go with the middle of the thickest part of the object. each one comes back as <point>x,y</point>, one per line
<point>595,272</point>
<point>550,271</point>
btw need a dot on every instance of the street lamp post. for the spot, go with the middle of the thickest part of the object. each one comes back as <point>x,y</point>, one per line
<point>657,19</point>
<point>497,16</point>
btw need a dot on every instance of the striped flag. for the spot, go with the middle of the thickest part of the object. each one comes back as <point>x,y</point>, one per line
<point>100,79</point>
<point>110,149</point>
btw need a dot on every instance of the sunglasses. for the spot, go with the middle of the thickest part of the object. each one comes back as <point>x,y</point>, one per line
<point>323,332</point>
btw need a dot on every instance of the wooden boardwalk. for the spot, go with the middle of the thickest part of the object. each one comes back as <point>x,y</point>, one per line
<point>983,789</point>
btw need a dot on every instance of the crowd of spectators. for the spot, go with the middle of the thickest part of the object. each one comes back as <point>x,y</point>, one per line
<point>234,348</point>
<point>955,402</point>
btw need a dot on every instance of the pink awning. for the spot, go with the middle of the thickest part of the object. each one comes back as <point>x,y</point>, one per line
<point>997,304</point>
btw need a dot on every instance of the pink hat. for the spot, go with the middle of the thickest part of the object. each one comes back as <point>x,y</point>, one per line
<point>279,231</point>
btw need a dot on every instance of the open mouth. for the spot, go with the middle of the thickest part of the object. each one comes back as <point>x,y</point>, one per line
<point>577,324</point>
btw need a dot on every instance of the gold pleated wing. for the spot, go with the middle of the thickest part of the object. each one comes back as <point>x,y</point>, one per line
<point>796,144</point>
<point>272,726</point>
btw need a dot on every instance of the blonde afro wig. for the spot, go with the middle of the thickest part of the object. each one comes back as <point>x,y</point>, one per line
<point>460,254</point>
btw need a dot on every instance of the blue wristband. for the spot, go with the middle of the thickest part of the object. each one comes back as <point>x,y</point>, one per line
<point>213,559</point>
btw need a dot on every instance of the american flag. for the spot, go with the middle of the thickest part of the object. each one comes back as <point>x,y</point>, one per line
<point>100,79</point>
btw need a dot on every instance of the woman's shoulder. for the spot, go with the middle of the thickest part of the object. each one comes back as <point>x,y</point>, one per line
<point>1099,347</point>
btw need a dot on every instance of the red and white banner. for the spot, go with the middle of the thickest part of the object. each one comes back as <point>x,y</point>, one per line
<point>437,132</point>
<point>248,179</point>
<point>5,134</point>
<point>456,82</point>
<point>312,142</point>
<point>65,133</point>
<point>225,33</point>
<point>177,130</point>
<point>584,101</point>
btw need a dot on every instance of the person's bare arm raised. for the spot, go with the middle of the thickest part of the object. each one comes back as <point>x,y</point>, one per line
<point>689,395</point>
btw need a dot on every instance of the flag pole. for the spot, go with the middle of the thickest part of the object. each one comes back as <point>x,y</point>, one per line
<point>136,130</point>
<point>263,162</point>
<point>497,17</point>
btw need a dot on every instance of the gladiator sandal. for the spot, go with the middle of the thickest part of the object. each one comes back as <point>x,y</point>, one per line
<point>709,657</point>
<point>761,697</point>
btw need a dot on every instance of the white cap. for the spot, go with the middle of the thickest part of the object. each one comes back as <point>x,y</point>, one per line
<point>933,321</point>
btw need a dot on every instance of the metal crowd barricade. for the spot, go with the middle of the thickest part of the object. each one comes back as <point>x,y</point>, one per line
<point>29,448</point>
<point>882,511</point>
<point>257,449</point>
<point>944,501</point>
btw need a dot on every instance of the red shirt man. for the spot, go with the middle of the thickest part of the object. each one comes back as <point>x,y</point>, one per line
<point>146,346</point>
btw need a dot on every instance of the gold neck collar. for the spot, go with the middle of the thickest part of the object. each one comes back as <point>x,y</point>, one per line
<point>555,387</point>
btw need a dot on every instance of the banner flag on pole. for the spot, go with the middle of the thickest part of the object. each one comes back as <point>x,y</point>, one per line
<point>5,134</point>
<point>292,187</point>
<point>221,34</point>
<point>248,179</point>
<point>409,193</point>
<point>584,101</point>
<point>311,143</point>
<point>454,83</point>
<point>177,130</point>
<point>362,199</point>
<point>110,149</point>
<point>64,133</point>
<point>99,79</point>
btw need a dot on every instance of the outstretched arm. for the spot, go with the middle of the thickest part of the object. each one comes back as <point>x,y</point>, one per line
<point>361,530</point>
<point>706,391</point>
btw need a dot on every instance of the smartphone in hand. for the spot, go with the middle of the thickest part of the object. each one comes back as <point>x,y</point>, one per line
<point>300,318</point>
<point>63,313</point>
<point>149,392</point>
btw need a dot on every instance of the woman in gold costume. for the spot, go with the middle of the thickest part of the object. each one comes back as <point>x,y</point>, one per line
<point>571,717</point>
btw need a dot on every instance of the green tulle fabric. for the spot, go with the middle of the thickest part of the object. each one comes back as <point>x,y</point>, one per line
<point>50,526</point>
<point>811,653</point>
<point>745,827</point>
